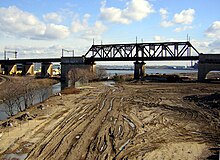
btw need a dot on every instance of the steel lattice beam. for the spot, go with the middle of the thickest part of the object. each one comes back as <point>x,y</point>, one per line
<point>142,51</point>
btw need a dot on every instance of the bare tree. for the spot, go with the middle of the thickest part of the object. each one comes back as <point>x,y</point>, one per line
<point>101,73</point>
<point>76,74</point>
<point>19,93</point>
<point>42,92</point>
<point>9,108</point>
<point>18,101</point>
<point>11,98</point>
<point>32,88</point>
<point>29,88</point>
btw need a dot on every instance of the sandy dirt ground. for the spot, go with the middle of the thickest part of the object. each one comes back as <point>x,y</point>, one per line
<point>170,121</point>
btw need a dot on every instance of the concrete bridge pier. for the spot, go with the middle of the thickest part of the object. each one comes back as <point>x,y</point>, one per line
<point>203,70</point>
<point>10,69</point>
<point>46,69</point>
<point>139,70</point>
<point>1,69</point>
<point>28,68</point>
<point>65,68</point>
<point>69,63</point>
<point>207,63</point>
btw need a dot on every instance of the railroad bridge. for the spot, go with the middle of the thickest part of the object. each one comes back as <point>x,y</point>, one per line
<point>139,53</point>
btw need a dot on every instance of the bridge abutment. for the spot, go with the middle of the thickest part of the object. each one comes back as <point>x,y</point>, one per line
<point>139,70</point>
<point>46,69</point>
<point>27,69</point>
<point>207,63</point>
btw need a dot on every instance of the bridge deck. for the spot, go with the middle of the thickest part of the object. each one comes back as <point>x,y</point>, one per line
<point>40,60</point>
<point>144,59</point>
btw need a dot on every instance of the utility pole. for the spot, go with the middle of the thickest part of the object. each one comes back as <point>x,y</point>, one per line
<point>15,53</point>
<point>4,54</point>
<point>64,50</point>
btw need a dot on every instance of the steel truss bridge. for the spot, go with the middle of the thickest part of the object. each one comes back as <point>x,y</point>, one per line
<point>136,52</point>
<point>165,51</point>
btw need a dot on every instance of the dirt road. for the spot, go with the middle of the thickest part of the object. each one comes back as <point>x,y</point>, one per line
<point>126,121</point>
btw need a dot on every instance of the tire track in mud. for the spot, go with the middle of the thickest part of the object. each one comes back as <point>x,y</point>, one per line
<point>160,127</point>
<point>114,135</point>
<point>103,143</point>
<point>120,125</point>
<point>60,143</point>
<point>90,132</point>
<point>58,138</point>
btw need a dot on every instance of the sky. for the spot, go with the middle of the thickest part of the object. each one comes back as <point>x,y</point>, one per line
<point>41,28</point>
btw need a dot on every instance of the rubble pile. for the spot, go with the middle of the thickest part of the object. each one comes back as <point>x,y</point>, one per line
<point>25,116</point>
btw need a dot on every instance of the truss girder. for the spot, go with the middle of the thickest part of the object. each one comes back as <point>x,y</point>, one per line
<point>141,50</point>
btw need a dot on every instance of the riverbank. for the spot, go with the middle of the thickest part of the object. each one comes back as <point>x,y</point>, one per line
<point>19,93</point>
<point>126,120</point>
<point>17,80</point>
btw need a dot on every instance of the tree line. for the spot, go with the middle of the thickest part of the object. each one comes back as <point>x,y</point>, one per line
<point>84,75</point>
<point>18,94</point>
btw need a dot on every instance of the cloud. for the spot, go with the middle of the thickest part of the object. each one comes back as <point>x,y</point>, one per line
<point>15,21</point>
<point>180,29</point>
<point>78,26</point>
<point>207,46</point>
<point>163,13</point>
<point>215,46</point>
<point>135,10</point>
<point>18,23</point>
<point>95,31</point>
<point>36,52</point>
<point>85,30</point>
<point>114,15</point>
<point>54,31</point>
<point>164,16</point>
<point>165,23</point>
<point>214,30</point>
<point>53,17</point>
<point>158,38</point>
<point>184,17</point>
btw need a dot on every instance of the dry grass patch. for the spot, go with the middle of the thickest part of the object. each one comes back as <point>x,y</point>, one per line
<point>70,90</point>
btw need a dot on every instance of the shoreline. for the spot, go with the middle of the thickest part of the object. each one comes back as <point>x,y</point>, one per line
<point>16,95</point>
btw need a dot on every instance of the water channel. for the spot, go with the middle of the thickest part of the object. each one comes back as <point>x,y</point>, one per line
<point>40,96</point>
